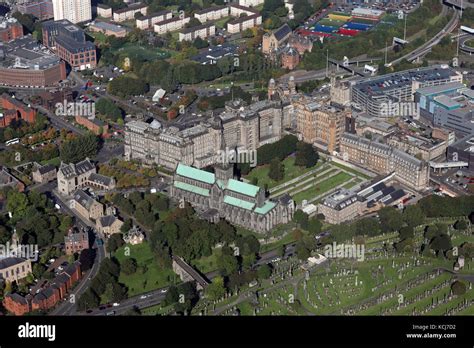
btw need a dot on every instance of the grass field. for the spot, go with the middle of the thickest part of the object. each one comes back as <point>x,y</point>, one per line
<point>322,187</point>
<point>135,51</point>
<point>291,171</point>
<point>149,275</point>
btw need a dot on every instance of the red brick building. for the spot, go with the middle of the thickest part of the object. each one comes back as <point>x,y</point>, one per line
<point>10,29</point>
<point>15,110</point>
<point>48,296</point>
<point>16,304</point>
<point>76,241</point>
<point>94,125</point>
<point>290,59</point>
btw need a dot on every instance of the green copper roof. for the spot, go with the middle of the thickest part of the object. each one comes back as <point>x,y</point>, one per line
<point>238,202</point>
<point>191,188</point>
<point>242,187</point>
<point>196,174</point>
<point>265,208</point>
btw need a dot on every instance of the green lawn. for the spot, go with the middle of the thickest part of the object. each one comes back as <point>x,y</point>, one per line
<point>221,22</point>
<point>56,161</point>
<point>208,263</point>
<point>135,51</point>
<point>291,171</point>
<point>322,187</point>
<point>149,275</point>
<point>350,170</point>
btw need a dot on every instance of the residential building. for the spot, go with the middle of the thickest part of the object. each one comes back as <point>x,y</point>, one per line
<point>128,13</point>
<point>147,22</point>
<point>75,11</point>
<point>242,23</point>
<point>104,11</point>
<point>384,159</point>
<point>212,13</point>
<point>109,225</point>
<point>238,202</point>
<point>300,43</point>
<point>250,3</point>
<point>203,31</point>
<point>238,10</point>
<point>16,304</point>
<point>47,296</point>
<point>69,42</point>
<point>14,269</point>
<point>75,241</point>
<point>44,174</point>
<point>41,9</point>
<point>172,24</point>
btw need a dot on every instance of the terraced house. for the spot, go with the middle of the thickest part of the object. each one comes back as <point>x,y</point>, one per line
<point>219,195</point>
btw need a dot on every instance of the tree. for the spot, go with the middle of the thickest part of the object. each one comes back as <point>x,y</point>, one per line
<point>413,215</point>
<point>264,272</point>
<point>314,226</point>
<point>108,108</point>
<point>302,252</point>
<point>228,264</point>
<point>216,289</point>
<point>114,292</point>
<point>306,155</point>
<point>115,241</point>
<point>86,258</point>
<point>129,266</point>
<point>460,225</point>
<point>441,243</point>
<point>88,300</point>
<point>277,170</point>
<point>17,202</point>
<point>390,219</point>
<point>77,149</point>
<point>458,288</point>
<point>406,232</point>
<point>301,218</point>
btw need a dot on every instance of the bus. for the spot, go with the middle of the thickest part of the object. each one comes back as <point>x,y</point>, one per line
<point>12,141</point>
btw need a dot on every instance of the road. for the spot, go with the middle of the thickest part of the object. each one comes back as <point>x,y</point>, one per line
<point>69,307</point>
<point>426,47</point>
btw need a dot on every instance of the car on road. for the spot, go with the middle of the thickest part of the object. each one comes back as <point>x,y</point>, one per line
<point>163,291</point>
<point>111,313</point>
<point>89,311</point>
<point>102,308</point>
<point>115,304</point>
<point>143,297</point>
